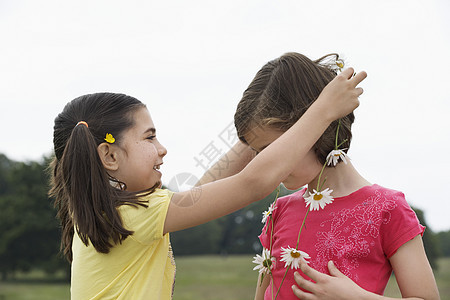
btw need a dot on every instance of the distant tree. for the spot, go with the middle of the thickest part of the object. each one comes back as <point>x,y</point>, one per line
<point>29,234</point>
<point>444,242</point>
<point>203,239</point>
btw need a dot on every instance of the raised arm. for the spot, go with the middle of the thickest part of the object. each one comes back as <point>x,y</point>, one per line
<point>266,171</point>
<point>229,164</point>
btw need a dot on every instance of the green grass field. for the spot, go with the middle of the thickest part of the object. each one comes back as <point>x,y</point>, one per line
<point>198,277</point>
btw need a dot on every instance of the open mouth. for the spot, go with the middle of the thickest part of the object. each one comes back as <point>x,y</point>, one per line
<point>157,167</point>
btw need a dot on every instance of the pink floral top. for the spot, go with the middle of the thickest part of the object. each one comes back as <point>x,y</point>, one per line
<point>359,232</point>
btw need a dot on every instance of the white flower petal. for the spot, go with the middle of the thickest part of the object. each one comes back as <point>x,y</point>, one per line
<point>292,257</point>
<point>324,199</point>
<point>266,214</point>
<point>334,155</point>
<point>265,262</point>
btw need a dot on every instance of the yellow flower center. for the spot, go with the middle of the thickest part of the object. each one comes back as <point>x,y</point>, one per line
<point>337,154</point>
<point>267,263</point>
<point>295,254</point>
<point>317,197</point>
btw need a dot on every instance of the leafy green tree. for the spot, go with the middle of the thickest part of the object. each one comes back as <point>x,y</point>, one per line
<point>203,239</point>
<point>29,234</point>
<point>444,242</point>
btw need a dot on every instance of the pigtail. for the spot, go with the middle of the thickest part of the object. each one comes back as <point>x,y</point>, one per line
<point>62,206</point>
<point>90,199</point>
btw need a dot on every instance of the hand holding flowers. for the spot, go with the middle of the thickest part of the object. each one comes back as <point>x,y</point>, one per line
<point>343,92</point>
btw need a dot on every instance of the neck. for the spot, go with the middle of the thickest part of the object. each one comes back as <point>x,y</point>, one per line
<point>343,179</point>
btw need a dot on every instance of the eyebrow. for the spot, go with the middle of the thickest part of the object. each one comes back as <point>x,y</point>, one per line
<point>150,130</point>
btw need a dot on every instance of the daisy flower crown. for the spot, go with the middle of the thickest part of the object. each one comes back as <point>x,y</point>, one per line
<point>316,200</point>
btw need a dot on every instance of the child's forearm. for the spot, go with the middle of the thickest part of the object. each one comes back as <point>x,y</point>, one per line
<point>229,164</point>
<point>282,156</point>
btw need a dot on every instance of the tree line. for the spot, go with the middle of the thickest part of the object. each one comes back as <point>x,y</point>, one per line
<point>30,232</point>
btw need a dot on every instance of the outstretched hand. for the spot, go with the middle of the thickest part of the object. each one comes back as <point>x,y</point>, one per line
<point>333,286</point>
<point>340,96</point>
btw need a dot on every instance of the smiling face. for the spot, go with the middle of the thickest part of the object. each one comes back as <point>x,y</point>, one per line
<point>305,173</point>
<point>140,154</point>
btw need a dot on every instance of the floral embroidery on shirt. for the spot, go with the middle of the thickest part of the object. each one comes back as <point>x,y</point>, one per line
<point>329,243</point>
<point>359,227</point>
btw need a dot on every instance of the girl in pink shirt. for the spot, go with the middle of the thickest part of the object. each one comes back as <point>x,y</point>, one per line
<point>348,248</point>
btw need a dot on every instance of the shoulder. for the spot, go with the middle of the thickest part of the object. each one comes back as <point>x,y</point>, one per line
<point>375,189</point>
<point>291,198</point>
<point>147,222</point>
<point>288,201</point>
<point>158,195</point>
<point>158,198</point>
<point>379,194</point>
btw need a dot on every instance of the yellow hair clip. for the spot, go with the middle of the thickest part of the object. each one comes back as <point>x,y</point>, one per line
<point>109,138</point>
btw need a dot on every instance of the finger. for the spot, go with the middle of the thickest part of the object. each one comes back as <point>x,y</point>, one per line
<point>355,80</point>
<point>303,283</point>
<point>334,271</point>
<point>301,294</point>
<point>359,91</point>
<point>310,272</point>
<point>348,73</point>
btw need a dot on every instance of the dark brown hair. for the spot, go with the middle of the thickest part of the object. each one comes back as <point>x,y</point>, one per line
<point>282,91</point>
<point>84,196</point>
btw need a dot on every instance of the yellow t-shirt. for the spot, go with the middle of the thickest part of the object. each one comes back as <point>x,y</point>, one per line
<point>142,267</point>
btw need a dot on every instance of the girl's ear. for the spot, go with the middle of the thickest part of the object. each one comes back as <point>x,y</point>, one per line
<point>109,156</point>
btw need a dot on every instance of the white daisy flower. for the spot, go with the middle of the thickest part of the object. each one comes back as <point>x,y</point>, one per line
<point>265,262</point>
<point>318,200</point>
<point>334,155</point>
<point>266,214</point>
<point>292,257</point>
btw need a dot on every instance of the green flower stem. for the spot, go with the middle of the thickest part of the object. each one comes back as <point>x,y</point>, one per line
<point>284,276</point>
<point>337,147</point>
<point>271,221</point>
<point>320,175</point>
<point>271,236</point>
<point>337,135</point>
<point>301,227</point>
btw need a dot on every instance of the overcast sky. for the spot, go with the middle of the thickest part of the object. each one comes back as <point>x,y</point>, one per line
<point>190,61</point>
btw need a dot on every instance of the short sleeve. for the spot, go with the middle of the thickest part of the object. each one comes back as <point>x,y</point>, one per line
<point>147,222</point>
<point>265,235</point>
<point>401,225</point>
<point>266,232</point>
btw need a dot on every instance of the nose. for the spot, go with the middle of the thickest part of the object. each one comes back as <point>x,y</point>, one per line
<point>162,151</point>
